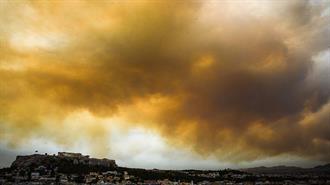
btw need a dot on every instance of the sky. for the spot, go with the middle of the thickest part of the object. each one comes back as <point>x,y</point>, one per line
<point>167,84</point>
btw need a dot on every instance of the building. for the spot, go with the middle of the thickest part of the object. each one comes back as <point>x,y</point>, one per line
<point>69,154</point>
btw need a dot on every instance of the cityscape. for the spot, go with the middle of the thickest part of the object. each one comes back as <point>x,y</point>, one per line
<point>75,168</point>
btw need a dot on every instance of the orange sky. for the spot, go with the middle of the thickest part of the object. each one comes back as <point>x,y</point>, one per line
<point>228,83</point>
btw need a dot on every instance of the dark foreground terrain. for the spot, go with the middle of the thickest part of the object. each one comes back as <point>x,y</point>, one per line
<point>74,168</point>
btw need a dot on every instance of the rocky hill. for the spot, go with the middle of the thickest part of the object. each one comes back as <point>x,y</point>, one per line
<point>64,162</point>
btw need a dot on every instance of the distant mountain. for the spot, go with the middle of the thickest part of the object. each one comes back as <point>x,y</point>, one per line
<point>322,169</point>
<point>274,170</point>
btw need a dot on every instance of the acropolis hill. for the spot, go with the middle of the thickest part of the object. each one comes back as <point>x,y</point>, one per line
<point>64,161</point>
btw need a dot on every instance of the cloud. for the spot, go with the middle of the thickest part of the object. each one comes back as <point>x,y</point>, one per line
<point>211,76</point>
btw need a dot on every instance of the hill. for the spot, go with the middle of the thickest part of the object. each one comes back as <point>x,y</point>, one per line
<point>322,169</point>
<point>64,162</point>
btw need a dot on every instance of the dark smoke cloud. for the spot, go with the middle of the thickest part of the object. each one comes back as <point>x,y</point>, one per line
<point>204,75</point>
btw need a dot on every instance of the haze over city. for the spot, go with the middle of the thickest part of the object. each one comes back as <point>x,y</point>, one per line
<point>167,84</point>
